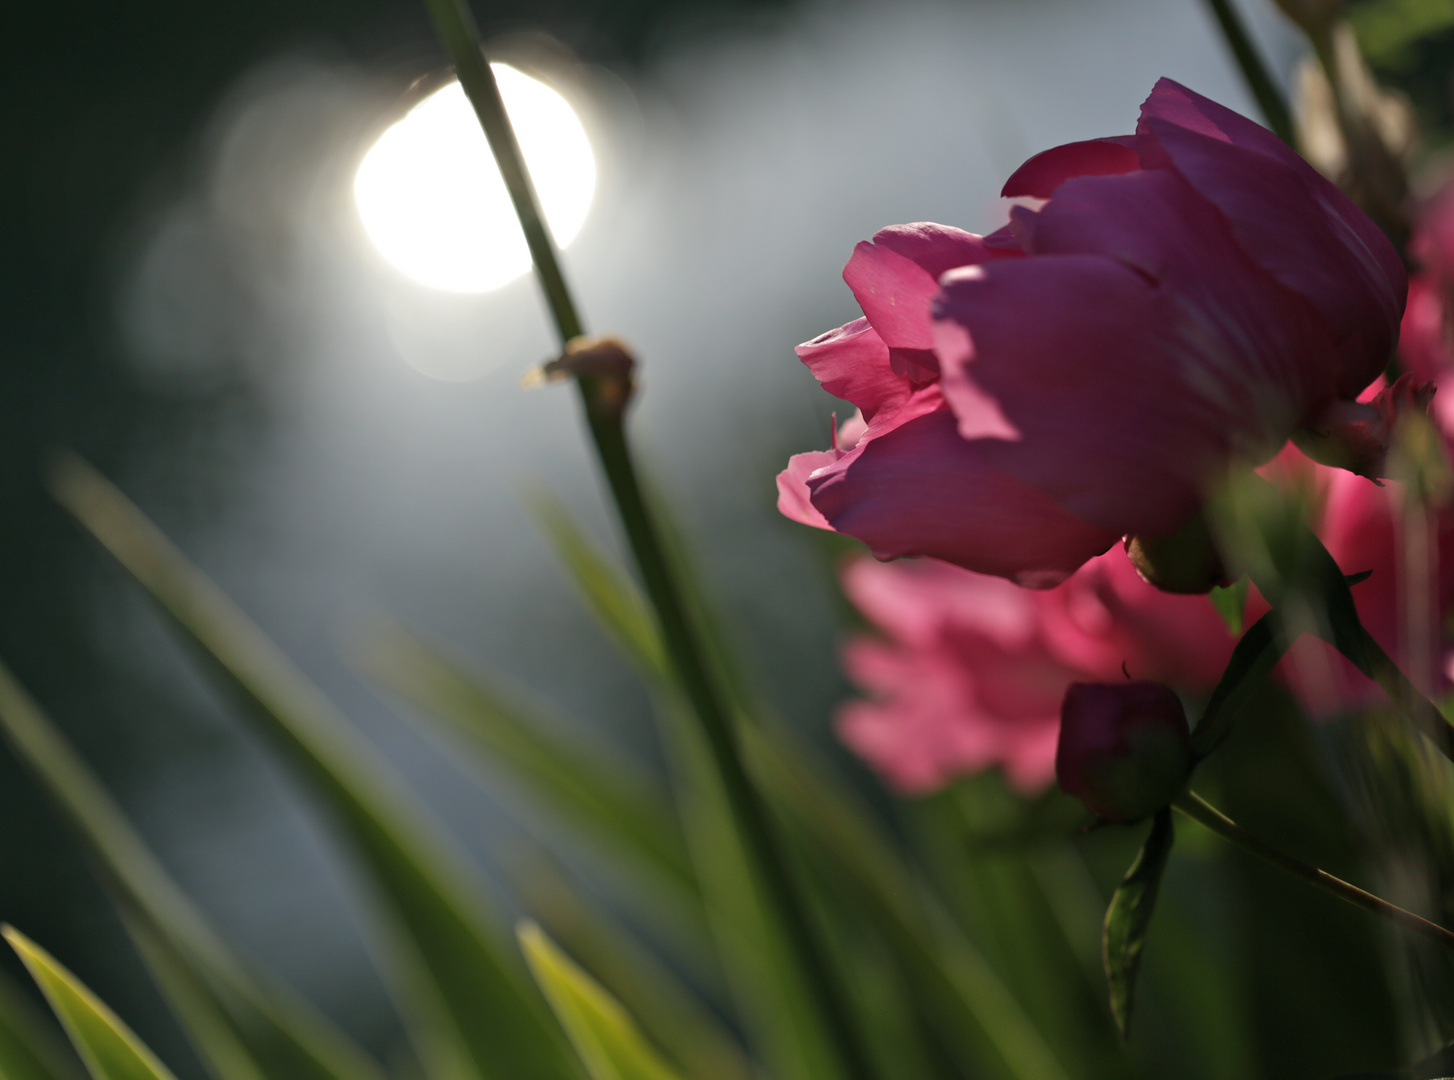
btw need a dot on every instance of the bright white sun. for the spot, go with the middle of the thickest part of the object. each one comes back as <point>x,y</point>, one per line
<point>433,201</point>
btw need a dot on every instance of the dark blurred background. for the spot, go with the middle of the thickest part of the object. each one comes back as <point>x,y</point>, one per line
<point>186,298</point>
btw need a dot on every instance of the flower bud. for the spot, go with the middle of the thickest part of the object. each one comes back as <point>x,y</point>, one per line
<point>1125,748</point>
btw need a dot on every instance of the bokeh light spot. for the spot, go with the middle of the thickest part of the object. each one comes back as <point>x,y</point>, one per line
<point>433,202</point>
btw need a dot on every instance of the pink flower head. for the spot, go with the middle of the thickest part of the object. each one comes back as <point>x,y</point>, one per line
<point>1187,294</point>
<point>968,671</point>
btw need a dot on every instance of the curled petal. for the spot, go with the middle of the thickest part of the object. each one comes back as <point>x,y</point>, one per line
<point>852,363</point>
<point>1042,174</point>
<point>792,487</point>
<point>920,489</point>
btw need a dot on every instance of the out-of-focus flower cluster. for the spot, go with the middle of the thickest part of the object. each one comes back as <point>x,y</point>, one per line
<point>968,670</point>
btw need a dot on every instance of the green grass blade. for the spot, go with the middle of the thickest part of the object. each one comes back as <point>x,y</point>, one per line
<point>254,1028</point>
<point>106,1045</point>
<point>964,991</point>
<point>618,606</point>
<point>672,1014</point>
<point>588,786</point>
<point>27,1049</point>
<point>472,1009</point>
<point>606,1038</point>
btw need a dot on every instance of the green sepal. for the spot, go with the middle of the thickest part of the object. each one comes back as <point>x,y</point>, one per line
<point>1129,916</point>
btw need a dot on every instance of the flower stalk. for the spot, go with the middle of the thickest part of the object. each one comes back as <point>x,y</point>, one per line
<point>1269,98</point>
<point>686,654</point>
<point>1199,810</point>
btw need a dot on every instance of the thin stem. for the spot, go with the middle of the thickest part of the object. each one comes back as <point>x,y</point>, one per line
<point>1408,697</point>
<point>1254,71</point>
<point>688,659</point>
<point>1198,809</point>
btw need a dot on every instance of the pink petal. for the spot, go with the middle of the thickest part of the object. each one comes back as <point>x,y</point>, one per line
<point>852,363</point>
<point>792,487</point>
<point>1042,174</point>
<point>919,489</point>
<point>894,278</point>
<point>1113,427</point>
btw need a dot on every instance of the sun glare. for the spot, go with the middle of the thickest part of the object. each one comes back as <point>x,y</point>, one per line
<point>433,202</point>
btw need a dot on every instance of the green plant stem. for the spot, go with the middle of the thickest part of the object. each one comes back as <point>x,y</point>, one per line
<point>688,659</point>
<point>1198,809</point>
<point>1254,71</point>
<point>1410,701</point>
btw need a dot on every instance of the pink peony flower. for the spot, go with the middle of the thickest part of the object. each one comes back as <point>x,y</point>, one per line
<point>1187,294</point>
<point>968,671</point>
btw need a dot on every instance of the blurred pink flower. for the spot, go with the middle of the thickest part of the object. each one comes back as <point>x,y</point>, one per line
<point>1405,601</point>
<point>1189,293</point>
<point>968,671</point>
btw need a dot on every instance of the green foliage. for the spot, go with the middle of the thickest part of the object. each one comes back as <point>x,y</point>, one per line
<point>1231,604</point>
<point>27,1050</point>
<point>605,1037</point>
<point>244,1028</point>
<point>106,1045</point>
<point>472,1012</point>
<point>1387,30</point>
<point>1129,917</point>
<point>568,774</point>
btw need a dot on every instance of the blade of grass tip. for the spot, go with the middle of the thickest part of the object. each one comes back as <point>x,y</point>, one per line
<point>603,1034</point>
<point>27,1049</point>
<point>472,1010</point>
<point>588,786</point>
<point>671,1013</point>
<point>106,1045</point>
<point>285,1039</point>
<point>604,400</point>
<point>967,993</point>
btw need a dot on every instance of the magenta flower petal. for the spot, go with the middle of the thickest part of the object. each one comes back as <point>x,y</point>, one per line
<point>1107,429</point>
<point>1042,174</point>
<point>852,363</point>
<point>1188,296</point>
<point>919,489</point>
<point>895,276</point>
<point>1288,218</point>
<point>792,487</point>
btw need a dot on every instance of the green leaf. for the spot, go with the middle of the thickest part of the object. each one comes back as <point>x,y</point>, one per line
<point>604,1036</point>
<point>1231,604</point>
<point>471,1010</point>
<point>588,785</point>
<point>1129,917</point>
<point>106,1045</point>
<point>252,1028</point>
<point>1252,661</point>
<point>27,1049</point>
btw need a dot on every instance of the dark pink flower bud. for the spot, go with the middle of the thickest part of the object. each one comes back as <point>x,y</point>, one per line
<point>1125,749</point>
